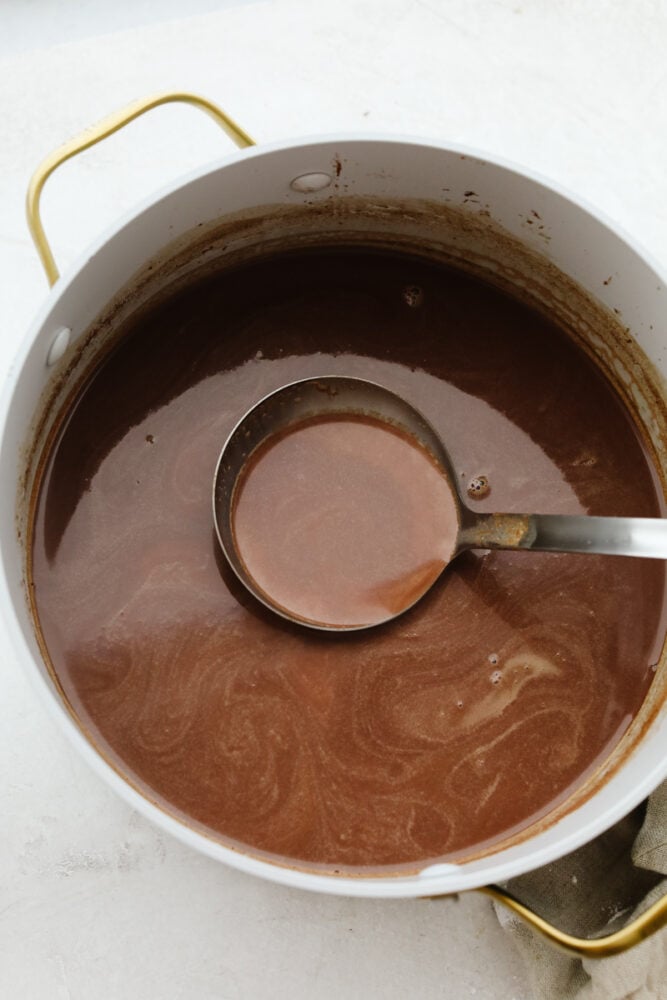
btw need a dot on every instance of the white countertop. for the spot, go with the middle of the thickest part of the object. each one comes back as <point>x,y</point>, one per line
<point>95,903</point>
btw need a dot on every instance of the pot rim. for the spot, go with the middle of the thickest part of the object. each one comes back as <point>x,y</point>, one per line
<point>313,141</point>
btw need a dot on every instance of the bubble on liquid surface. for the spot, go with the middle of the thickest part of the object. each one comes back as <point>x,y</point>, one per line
<point>478,488</point>
<point>413,296</point>
<point>496,677</point>
<point>493,658</point>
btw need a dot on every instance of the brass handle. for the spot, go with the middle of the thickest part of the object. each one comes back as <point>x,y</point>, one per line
<point>112,123</point>
<point>650,921</point>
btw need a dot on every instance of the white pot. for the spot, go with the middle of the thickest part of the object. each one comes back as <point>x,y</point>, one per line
<point>428,181</point>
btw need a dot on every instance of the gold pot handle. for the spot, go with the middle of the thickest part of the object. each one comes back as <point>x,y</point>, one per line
<point>112,123</point>
<point>650,921</point>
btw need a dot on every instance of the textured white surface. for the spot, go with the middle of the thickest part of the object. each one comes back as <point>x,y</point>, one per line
<point>94,903</point>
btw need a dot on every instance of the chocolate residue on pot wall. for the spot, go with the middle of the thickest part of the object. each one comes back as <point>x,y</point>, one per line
<point>382,749</point>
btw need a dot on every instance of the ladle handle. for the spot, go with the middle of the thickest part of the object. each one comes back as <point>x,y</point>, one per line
<point>613,536</point>
<point>112,123</point>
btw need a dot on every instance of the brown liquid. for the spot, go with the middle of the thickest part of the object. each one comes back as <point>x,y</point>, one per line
<point>465,718</point>
<point>343,521</point>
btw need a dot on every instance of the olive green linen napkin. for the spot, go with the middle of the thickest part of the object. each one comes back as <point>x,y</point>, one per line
<point>592,891</point>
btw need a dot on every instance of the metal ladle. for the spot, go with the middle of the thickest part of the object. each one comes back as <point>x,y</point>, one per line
<point>301,401</point>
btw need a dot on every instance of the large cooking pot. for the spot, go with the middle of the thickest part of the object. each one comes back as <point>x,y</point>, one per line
<point>488,216</point>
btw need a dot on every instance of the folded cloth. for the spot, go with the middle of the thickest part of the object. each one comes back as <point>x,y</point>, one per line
<point>595,891</point>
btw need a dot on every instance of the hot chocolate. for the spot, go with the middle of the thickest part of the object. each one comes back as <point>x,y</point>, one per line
<point>436,735</point>
<point>343,521</point>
